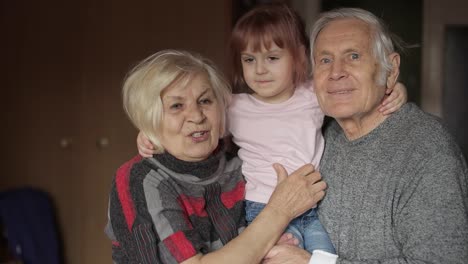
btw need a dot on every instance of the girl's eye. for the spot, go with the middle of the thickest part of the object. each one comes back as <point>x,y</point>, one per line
<point>247,60</point>
<point>273,58</point>
<point>354,56</point>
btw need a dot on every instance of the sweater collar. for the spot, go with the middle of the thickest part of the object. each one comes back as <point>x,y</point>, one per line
<point>200,169</point>
<point>393,121</point>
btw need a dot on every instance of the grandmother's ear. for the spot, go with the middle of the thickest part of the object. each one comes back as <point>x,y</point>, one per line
<point>392,78</point>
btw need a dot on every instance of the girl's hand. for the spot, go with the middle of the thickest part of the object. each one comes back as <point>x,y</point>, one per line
<point>397,96</point>
<point>145,147</point>
<point>288,239</point>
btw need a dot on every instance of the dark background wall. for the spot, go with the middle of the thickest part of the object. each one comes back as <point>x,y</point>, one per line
<point>455,83</point>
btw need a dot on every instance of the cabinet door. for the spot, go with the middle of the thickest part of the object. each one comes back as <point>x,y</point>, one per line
<point>63,68</point>
<point>41,82</point>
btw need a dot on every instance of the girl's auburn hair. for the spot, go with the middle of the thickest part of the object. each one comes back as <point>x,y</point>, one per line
<point>262,26</point>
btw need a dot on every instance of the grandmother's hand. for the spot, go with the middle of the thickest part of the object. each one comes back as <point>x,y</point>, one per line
<point>297,192</point>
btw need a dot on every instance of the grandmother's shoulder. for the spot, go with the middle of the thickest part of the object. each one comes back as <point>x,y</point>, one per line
<point>123,178</point>
<point>129,167</point>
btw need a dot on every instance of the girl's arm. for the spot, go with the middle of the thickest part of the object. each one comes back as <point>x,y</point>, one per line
<point>396,97</point>
<point>145,148</point>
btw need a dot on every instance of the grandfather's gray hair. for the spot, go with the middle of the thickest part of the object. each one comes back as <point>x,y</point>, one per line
<point>382,45</point>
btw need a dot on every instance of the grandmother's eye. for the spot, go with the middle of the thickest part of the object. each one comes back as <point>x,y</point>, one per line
<point>354,56</point>
<point>206,101</point>
<point>176,106</point>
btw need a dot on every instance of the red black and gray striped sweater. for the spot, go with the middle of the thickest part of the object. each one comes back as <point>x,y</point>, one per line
<point>164,210</point>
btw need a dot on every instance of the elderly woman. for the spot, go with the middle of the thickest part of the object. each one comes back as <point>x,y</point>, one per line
<point>185,204</point>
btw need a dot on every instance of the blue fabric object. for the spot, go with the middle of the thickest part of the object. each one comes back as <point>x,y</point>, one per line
<point>29,222</point>
<point>306,228</point>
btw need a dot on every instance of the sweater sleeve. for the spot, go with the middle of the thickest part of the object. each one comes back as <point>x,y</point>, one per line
<point>129,226</point>
<point>430,218</point>
<point>168,212</point>
<point>432,224</point>
<point>154,224</point>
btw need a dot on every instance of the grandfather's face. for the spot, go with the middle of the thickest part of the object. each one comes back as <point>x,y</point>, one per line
<point>191,123</point>
<point>345,72</point>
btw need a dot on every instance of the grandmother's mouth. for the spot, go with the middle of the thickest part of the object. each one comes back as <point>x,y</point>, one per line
<point>200,135</point>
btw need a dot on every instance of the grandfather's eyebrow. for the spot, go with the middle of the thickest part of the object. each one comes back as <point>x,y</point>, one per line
<point>324,52</point>
<point>351,50</point>
<point>327,52</point>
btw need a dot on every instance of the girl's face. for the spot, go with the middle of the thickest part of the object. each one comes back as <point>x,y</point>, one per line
<point>269,73</point>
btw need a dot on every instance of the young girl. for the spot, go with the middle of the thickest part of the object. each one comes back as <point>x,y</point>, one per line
<point>280,120</point>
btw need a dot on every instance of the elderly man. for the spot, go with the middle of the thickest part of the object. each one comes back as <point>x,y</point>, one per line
<point>397,184</point>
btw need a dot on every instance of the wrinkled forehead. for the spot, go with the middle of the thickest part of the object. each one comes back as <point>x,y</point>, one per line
<point>350,27</point>
<point>194,81</point>
<point>343,32</point>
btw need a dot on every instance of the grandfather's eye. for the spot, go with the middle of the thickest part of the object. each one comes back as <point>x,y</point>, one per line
<point>325,60</point>
<point>355,56</point>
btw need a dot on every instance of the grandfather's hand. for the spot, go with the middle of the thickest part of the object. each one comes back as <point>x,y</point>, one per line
<point>297,192</point>
<point>284,254</point>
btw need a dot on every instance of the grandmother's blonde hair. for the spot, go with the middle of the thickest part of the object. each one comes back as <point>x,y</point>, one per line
<point>145,82</point>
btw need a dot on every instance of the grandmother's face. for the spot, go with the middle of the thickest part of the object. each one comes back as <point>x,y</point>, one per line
<point>191,123</point>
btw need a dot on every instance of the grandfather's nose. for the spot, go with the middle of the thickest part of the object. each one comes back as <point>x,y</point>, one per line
<point>338,70</point>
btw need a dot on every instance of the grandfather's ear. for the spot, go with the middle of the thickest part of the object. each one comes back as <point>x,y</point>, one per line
<point>392,78</point>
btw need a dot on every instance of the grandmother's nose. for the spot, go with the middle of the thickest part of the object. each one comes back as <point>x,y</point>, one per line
<point>195,113</point>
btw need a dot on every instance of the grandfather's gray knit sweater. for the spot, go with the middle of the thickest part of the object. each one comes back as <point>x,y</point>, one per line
<point>398,194</point>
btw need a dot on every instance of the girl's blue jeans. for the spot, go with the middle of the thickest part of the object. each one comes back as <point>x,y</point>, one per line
<point>306,228</point>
